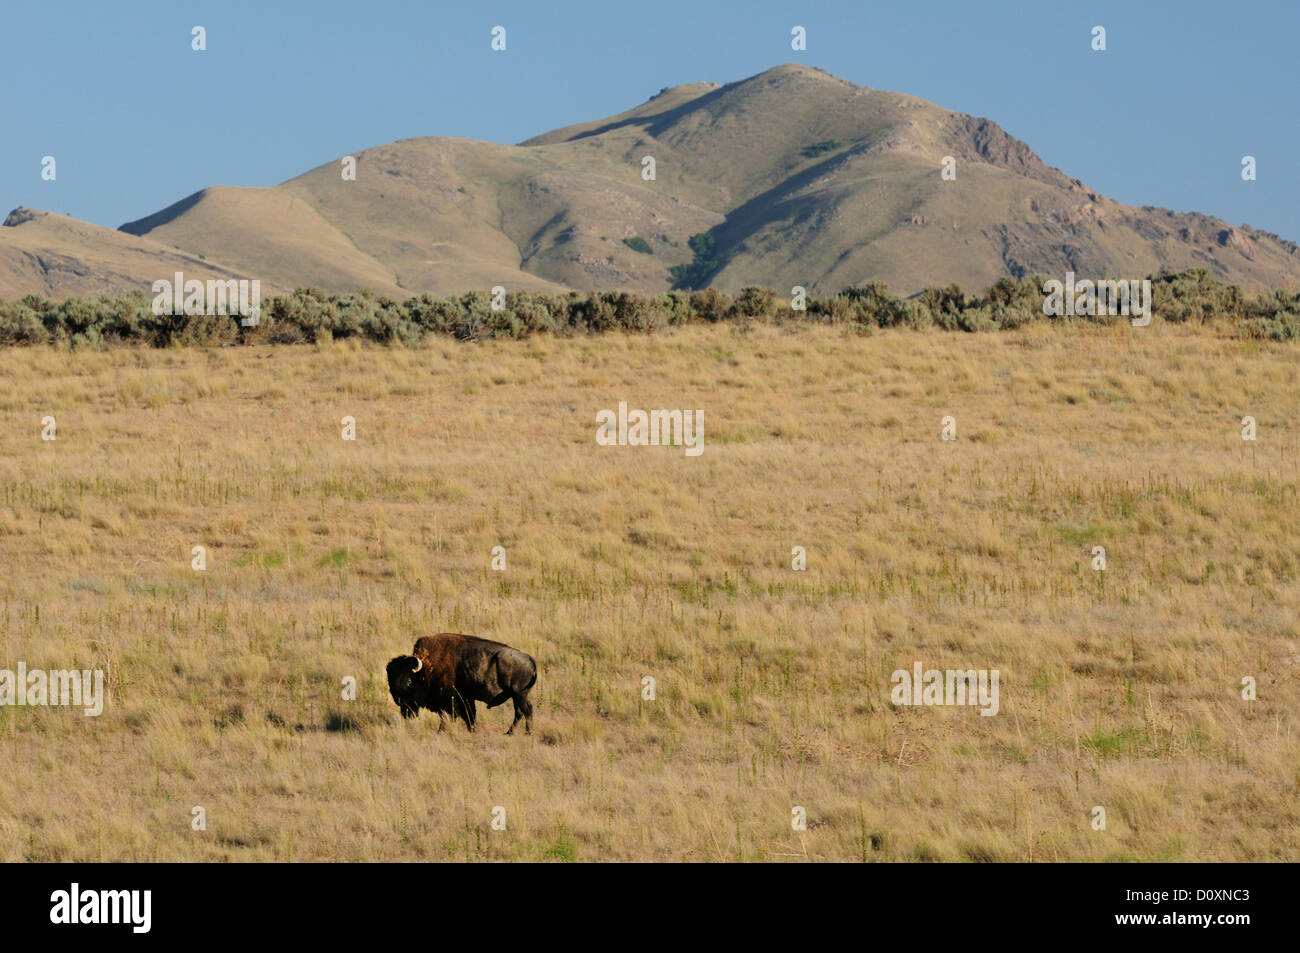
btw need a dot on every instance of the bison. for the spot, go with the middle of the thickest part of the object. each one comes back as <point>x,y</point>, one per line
<point>448,673</point>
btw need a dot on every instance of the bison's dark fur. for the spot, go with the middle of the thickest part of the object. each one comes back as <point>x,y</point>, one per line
<point>449,673</point>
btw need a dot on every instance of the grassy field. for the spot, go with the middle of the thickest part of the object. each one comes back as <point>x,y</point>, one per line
<point>1120,689</point>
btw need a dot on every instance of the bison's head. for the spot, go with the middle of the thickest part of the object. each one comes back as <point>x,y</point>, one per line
<point>406,689</point>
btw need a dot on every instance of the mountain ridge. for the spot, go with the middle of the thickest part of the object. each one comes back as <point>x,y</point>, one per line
<point>799,177</point>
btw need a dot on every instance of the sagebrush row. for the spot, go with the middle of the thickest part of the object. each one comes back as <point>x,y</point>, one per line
<point>309,315</point>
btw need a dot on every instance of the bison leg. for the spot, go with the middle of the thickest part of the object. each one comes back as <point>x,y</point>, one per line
<point>468,711</point>
<point>524,710</point>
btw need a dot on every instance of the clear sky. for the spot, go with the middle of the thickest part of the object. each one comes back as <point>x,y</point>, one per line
<point>136,119</point>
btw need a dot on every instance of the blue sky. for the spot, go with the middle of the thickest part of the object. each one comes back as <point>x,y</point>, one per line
<point>137,120</point>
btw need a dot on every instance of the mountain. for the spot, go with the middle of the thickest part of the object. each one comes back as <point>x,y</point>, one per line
<point>800,178</point>
<point>56,256</point>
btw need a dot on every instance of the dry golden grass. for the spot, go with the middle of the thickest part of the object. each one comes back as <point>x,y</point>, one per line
<point>326,558</point>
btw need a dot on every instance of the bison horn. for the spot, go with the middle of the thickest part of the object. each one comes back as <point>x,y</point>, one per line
<point>418,663</point>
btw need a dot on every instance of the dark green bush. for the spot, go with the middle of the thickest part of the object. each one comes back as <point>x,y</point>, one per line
<point>818,148</point>
<point>704,246</point>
